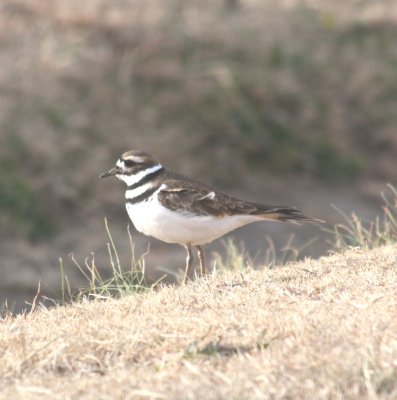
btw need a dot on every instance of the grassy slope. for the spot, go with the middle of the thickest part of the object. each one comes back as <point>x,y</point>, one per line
<point>323,328</point>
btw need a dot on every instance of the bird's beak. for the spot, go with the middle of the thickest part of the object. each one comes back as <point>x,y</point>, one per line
<point>113,171</point>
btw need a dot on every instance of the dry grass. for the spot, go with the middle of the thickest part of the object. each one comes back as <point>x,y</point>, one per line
<point>315,329</point>
<point>370,234</point>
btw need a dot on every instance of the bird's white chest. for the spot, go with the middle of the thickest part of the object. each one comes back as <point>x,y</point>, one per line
<point>148,217</point>
<point>152,219</point>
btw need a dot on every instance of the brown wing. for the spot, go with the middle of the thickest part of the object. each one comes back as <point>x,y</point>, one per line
<point>200,199</point>
<point>195,198</point>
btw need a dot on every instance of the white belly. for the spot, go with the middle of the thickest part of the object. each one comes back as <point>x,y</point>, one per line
<point>152,219</point>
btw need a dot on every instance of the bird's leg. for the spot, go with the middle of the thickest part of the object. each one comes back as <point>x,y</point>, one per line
<point>201,257</point>
<point>189,262</point>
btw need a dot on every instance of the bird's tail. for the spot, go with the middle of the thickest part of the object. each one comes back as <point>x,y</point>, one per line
<point>287,214</point>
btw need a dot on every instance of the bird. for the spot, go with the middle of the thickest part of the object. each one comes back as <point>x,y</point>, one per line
<point>173,208</point>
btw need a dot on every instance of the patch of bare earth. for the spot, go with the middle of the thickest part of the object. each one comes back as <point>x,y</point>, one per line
<point>315,329</point>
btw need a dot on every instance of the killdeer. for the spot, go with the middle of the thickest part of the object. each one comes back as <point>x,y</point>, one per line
<point>176,209</point>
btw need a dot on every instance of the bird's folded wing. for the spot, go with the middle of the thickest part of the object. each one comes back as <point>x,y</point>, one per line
<point>193,198</point>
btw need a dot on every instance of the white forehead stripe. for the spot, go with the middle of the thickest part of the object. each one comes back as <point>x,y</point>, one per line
<point>137,159</point>
<point>135,178</point>
<point>120,163</point>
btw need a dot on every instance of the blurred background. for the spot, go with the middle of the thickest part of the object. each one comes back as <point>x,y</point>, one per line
<point>278,101</point>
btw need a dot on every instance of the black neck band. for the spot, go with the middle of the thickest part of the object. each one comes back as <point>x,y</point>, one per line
<point>146,178</point>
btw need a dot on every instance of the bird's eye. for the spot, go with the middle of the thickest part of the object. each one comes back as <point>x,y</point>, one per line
<point>129,163</point>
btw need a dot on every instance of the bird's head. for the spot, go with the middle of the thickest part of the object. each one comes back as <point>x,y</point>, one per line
<point>133,165</point>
